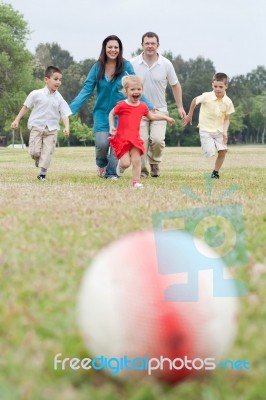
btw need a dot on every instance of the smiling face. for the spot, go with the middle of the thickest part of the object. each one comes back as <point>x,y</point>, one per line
<point>54,81</point>
<point>133,92</point>
<point>112,49</point>
<point>219,88</point>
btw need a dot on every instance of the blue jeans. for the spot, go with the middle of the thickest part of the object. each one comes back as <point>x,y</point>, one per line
<point>105,156</point>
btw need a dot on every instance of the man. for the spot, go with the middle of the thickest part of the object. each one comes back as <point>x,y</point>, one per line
<point>156,71</point>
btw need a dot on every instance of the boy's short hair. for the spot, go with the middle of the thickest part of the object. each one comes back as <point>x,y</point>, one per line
<point>50,71</point>
<point>150,35</point>
<point>220,76</point>
<point>128,79</point>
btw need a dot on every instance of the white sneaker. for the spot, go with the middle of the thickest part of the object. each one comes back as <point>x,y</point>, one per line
<point>138,185</point>
<point>119,170</point>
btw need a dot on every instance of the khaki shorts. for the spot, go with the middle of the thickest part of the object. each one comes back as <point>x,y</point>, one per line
<point>211,142</point>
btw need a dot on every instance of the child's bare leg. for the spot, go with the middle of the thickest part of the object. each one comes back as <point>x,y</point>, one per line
<point>136,163</point>
<point>125,161</point>
<point>219,160</point>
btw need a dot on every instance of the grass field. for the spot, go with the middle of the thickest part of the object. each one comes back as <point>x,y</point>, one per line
<point>49,233</point>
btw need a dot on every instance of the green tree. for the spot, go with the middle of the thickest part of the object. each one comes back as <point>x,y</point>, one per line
<point>237,125</point>
<point>174,133</point>
<point>15,63</point>
<point>73,80</point>
<point>137,52</point>
<point>196,79</point>
<point>257,80</point>
<point>258,118</point>
<point>79,133</point>
<point>50,54</point>
<point>243,90</point>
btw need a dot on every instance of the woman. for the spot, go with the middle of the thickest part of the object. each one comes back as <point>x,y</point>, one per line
<point>105,75</point>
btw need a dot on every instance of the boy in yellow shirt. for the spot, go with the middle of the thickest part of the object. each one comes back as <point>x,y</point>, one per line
<point>214,120</point>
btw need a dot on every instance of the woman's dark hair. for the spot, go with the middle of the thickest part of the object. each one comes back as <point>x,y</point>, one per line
<point>103,58</point>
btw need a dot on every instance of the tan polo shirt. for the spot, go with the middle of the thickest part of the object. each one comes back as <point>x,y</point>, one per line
<point>213,111</point>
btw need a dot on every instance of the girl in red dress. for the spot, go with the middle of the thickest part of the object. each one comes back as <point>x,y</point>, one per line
<point>125,139</point>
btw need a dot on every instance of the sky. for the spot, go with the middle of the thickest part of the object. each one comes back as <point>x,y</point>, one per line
<point>231,33</point>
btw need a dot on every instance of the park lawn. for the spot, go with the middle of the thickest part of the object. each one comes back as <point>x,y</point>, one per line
<point>49,233</point>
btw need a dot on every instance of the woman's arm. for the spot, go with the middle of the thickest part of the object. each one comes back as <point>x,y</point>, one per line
<point>87,89</point>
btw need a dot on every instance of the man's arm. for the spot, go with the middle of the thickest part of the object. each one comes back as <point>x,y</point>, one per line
<point>177,92</point>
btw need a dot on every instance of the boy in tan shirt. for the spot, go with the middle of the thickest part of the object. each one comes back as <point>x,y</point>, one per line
<point>214,120</point>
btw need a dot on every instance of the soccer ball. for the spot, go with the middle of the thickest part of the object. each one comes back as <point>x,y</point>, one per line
<point>148,305</point>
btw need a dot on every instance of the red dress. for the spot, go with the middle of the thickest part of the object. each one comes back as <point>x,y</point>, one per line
<point>127,135</point>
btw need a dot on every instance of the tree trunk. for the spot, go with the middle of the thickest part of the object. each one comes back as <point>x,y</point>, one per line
<point>258,135</point>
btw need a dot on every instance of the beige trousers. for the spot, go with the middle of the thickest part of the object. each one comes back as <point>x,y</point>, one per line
<point>153,135</point>
<point>41,145</point>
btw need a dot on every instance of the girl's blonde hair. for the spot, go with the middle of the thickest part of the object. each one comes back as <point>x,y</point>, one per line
<point>127,79</point>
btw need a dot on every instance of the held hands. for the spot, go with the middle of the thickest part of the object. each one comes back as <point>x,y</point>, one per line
<point>182,113</point>
<point>66,132</point>
<point>187,120</point>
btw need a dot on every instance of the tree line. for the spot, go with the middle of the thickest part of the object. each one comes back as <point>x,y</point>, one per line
<point>22,71</point>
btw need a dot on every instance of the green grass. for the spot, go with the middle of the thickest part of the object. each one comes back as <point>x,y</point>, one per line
<point>49,233</point>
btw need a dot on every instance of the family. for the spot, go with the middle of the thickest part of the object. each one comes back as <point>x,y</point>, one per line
<point>130,112</point>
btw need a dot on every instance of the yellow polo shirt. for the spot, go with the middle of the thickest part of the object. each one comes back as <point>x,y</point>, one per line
<point>213,111</point>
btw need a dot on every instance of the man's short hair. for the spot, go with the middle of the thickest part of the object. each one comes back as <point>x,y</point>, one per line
<point>150,34</point>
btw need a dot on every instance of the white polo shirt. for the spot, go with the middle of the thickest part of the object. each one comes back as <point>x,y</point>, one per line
<point>155,79</point>
<point>47,109</point>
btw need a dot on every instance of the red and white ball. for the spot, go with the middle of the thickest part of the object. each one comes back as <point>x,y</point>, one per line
<point>122,309</point>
